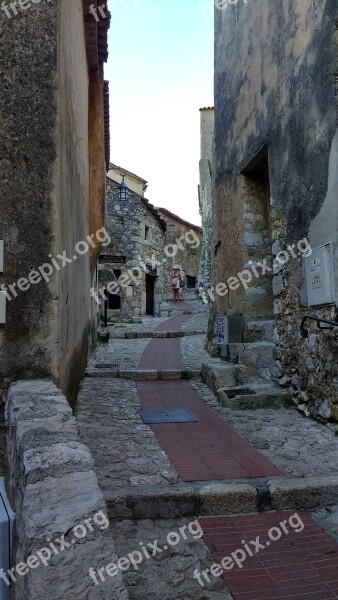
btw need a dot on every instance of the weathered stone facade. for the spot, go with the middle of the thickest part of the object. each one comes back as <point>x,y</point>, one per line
<point>52,173</point>
<point>135,256</point>
<point>187,240</point>
<point>205,191</point>
<point>276,180</point>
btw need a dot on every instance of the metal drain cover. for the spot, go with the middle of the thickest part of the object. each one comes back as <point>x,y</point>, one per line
<point>107,365</point>
<point>167,415</point>
<point>232,393</point>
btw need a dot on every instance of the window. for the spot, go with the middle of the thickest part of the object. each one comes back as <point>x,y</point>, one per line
<point>191,281</point>
<point>147,233</point>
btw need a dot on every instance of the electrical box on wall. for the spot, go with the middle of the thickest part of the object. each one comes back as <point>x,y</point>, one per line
<point>320,279</point>
<point>7,520</point>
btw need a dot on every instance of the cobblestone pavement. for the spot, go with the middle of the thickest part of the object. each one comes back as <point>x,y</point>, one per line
<point>193,353</point>
<point>125,353</point>
<point>169,574</point>
<point>327,518</point>
<point>297,445</point>
<point>148,324</point>
<point>125,451</point>
<point>198,322</point>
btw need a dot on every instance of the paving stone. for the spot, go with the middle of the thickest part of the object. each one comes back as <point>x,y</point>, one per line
<point>169,575</point>
<point>298,446</point>
<point>107,412</point>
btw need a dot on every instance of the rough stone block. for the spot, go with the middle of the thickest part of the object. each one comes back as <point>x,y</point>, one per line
<point>304,493</point>
<point>220,499</point>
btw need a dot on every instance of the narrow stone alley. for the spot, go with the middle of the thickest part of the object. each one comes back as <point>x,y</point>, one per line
<point>241,472</point>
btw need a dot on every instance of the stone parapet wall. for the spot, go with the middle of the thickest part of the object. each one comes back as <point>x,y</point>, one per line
<point>53,489</point>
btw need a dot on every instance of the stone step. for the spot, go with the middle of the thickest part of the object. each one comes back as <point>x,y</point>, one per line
<point>222,498</point>
<point>143,374</point>
<point>219,374</point>
<point>260,331</point>
<point>133,335</point>
<point>256,357</point>
<point>261,396</point>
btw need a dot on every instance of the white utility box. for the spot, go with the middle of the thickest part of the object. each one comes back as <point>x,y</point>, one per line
<point>320,280</point>
<point>2,249</point>
<point>2,307</point>
<point>7,520</point>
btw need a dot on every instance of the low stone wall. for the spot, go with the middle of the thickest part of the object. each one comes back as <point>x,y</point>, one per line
<point>55,492</point>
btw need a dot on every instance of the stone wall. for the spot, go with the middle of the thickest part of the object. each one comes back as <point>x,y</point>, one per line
<point>53,490</point>
<point>45,191</point>
<point>186,255</point>
<point>205,193</point>
<point>276,154</point>
<point>136,249</point>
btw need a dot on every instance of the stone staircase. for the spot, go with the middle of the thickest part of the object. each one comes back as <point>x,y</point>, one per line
<point>246,376</point>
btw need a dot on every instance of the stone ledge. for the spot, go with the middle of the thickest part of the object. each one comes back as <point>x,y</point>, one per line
<point>305,493</point>
<point>144,375</point>
<point>133,335</point>
<point>199,499</point>
<point>54,489</point>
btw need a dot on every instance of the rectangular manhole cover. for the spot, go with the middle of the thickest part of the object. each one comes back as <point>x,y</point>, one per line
<point>232,393</point>
<point>107,365</point>
<point>167,415</point>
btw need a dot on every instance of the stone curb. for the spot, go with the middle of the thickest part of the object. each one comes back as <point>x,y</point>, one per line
<point>133,335</point>
<point>215,499</point>
<point>184,500</point>
<point>54,492</point>
<point>144,375</point>
<point>310,492</point>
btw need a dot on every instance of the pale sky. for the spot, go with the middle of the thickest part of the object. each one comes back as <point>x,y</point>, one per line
<point>160,70</point>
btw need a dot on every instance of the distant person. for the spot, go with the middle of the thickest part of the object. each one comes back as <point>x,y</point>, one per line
<point>176,284</point>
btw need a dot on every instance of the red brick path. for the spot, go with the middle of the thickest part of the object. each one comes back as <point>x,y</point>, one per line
<point>165,354</point>
<point>162,355</point>
<point>300,566</point>
<point>174,323</point>
<point>207,450</point>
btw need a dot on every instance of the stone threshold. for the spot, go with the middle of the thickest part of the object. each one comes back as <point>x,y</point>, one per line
<point>223,498</point>
<point>133,335</point>
<point>145,375</point>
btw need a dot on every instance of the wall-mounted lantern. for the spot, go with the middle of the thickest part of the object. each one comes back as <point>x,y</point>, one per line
<point>123,191</point>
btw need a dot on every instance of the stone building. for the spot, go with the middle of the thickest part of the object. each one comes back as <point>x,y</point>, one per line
<point>54,143</point>
<point>205,190</point>
<point>276,181</point>
<point>187,240</point>
<point>133,262</point>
